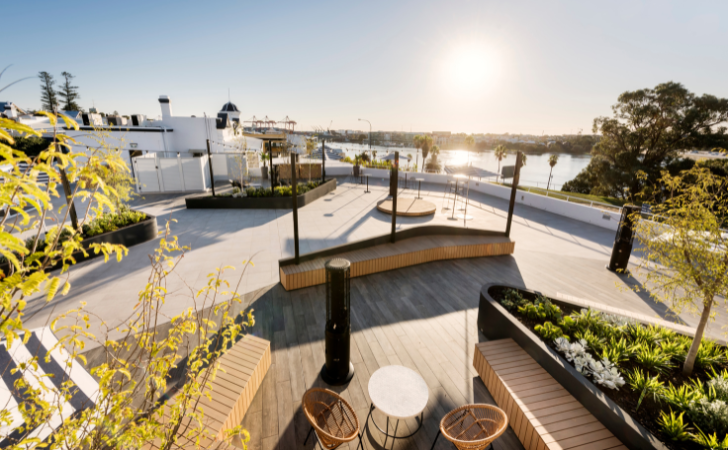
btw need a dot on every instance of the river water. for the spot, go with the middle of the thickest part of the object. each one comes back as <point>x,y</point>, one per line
<point>534,173</point>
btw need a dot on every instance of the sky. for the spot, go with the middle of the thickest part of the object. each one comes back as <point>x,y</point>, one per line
<point>520,67</point>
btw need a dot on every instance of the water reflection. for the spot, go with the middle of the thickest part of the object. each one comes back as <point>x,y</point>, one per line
<point>535,173</point>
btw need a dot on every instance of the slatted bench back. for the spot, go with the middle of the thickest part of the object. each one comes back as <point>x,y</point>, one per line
<point>243,366</point>
<point>541,412</point>
<point>404,253</point>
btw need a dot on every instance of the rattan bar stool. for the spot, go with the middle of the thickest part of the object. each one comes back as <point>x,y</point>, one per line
<point>333,419</point>
<point>473,427</point>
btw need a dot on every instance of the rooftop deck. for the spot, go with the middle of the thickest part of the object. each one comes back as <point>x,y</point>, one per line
<point>422,317</point>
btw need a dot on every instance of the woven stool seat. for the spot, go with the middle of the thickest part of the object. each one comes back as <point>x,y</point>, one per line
<point>331,417</point>
<point>473,427</point>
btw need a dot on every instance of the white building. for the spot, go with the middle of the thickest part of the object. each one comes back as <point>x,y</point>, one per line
<point>169,138</point>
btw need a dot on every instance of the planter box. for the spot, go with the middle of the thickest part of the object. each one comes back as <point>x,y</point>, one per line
<point>209,202</point>
<point>495,322</point>
<point>143,231</point>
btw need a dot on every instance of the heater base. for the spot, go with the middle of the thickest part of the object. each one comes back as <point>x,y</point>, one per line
<point>618,271</point>
<point>337,381</point>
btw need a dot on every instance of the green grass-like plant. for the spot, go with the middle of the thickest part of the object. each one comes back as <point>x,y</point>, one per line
<point>711,441</point>
<point>618,351</point>
<point>651,358</point>
<point>673,426</point>
<point>549,331</point>
<point>648,387</point>
<point>681,396</point>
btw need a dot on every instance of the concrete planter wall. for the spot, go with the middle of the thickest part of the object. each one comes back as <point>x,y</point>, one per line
<point>209,202</point>
<point>495,322</point>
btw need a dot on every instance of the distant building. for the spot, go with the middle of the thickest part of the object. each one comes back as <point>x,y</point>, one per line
<point>441,138</point>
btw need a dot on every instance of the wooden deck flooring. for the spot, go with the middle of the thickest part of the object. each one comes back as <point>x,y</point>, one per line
<point>397,318</point>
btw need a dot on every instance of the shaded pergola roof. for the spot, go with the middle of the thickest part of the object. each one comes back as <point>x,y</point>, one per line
<point>470,171</point>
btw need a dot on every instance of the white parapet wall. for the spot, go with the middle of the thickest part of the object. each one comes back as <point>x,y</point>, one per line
<point>583,213</point>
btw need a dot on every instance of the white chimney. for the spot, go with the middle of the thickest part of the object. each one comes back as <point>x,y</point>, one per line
<point>166,105</point>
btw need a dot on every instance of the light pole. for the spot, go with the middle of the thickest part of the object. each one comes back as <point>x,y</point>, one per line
<point>370,137</point>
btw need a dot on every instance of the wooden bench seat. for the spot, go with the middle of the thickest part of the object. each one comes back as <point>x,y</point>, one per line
<point>243,368</point>
<point>403,253</point>
<point>540,411</point>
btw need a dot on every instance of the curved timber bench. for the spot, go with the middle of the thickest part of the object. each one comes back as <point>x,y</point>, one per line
<point>541,412</point>
<point>242,369</point>
<point>412,247</point>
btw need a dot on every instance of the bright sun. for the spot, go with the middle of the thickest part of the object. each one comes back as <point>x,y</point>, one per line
<point>471,69</point>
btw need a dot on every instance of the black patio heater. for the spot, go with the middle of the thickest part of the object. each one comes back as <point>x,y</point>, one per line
<point>623,240</point>
<point>338,368</point>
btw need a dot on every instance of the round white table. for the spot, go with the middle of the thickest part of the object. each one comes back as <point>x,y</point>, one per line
<point>400,393</point>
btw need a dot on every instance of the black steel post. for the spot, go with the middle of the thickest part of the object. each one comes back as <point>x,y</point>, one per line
<point>209,163</point>
<point>272,171</point>
<point>338,369</point>
<point>323,161</point>
<point>395,174</point>
<point>514,188</point>
<point>294,202</point>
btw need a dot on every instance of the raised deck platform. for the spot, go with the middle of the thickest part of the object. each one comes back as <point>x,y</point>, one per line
<point>386,256</point>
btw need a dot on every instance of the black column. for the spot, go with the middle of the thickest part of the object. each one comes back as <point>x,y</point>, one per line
<point>394,180</point>
<point>338,368</point>
<point>323,161</point>
<point>212,174</point>
<point>623,240</point>
<point>514,188</point>
<point>294,203</point>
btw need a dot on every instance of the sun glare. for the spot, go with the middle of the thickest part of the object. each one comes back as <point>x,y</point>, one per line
<point>471,69</point>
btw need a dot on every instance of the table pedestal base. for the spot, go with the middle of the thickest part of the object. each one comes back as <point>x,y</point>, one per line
<point>386,432</point>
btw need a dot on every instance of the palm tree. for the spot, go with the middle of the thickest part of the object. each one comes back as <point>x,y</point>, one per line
<point>500,153</point>
<point>426,146</point>
<point>553,159</point>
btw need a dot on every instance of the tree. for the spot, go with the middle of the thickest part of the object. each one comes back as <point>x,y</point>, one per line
<point>500,152</point>
<point>469,141</point>
<point>553,160</point>
<point>133,379</point>
<point>69,93</point>
<point>648,129</point>
<point>685,251</point>
<point>48,98</point>
<point>434,165</point>
<point>424,143</point>
<point>310,148</point>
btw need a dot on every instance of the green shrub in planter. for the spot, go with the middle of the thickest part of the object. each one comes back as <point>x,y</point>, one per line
<point>112,221</point>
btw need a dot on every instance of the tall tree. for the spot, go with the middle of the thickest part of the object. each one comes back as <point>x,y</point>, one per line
<point>648,129</point>
<point>426,145</point>
<point>687,238</point>
<point>69,93</point>
<point>469,141</point>
<point>500,152</point>
<point>48,98</point>
<point>553,160</point>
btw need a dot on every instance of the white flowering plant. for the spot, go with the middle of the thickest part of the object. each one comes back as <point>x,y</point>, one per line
<point>603,372</point>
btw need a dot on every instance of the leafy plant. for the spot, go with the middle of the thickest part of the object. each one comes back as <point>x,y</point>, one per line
<point>674,426</point>
<point>112,221</point>
<point>617,351</point>
<point>711,441</point>
<point>709,355</point>
<point>648,387</point>
<point>640,334</point>
<point>549,331</point>
<point>651,358</point>
<point>595,342</point>
<point>681,396</point>
<point>513,299</point>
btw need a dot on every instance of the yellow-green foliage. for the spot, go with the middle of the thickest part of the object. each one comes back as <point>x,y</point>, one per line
<point>133,378</point>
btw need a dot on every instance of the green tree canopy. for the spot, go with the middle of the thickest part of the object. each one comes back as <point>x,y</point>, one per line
<point>48,97</point>
<point>648,129</point>
<point>69,93</point>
